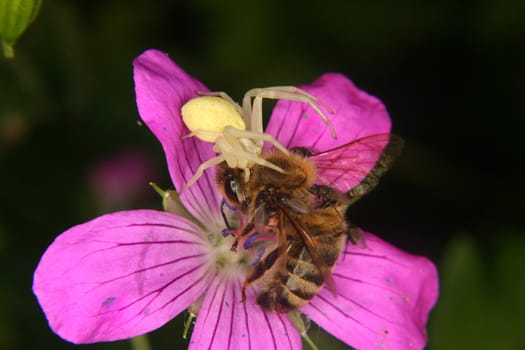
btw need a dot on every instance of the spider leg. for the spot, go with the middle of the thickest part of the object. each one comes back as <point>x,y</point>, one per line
<point>240,154</point>
<point>290,93</point>
<point>275,90</point>
<point>223,95</point>
<point>202,133</point>
<point>256,116</point>
<point>256,136</point>
<point>264,162</point>
<point>200,170</point>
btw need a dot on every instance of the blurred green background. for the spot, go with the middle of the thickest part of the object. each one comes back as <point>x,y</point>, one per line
<point>451,74</point>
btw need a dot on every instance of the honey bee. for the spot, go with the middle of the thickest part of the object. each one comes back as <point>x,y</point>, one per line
<point>297,215</point>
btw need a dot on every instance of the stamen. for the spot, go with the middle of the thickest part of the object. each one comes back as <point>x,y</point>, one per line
<point>258,256</point>
<point>250,240</point>
<point>225,232</point>
<point>231,207</point>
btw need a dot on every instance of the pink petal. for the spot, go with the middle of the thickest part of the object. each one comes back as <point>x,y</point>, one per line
<point>356,115</point>
<point>224,322</point>
<point>162,88</point>
<point>384,297</point>
<point>121,275</point>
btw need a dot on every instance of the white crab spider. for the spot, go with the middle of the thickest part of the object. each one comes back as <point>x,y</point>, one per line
<point>237,132</point>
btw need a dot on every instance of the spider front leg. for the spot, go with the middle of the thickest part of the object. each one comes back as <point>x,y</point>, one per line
<point>200,170</point>
<point>224,96</point>
<point>243,135</point>
<point>204,135</point>
<point>237,158</point>
<point>290,93</point>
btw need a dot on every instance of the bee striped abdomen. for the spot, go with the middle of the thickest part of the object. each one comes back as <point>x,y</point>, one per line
<point>288,294</point>
<point>301,279</point>
<point>291,290</point>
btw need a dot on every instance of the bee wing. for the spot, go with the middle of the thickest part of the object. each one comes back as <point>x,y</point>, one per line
<point>309,244</point>
<point>355,168</point>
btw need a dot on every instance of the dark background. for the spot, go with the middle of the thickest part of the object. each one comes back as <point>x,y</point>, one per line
<point>450,73</point>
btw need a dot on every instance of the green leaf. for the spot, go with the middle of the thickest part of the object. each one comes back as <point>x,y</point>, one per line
<point>15,17</point>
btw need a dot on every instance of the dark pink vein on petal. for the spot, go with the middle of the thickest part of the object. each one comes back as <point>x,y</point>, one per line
<point>270,328</point>
<point>185,290</point>
<point>367,309</point>
<point>245,320</point>
<point>341,312</point>
<point>285,327</point>
<point>231,317</point>
<point>368,255</point>
<point>356,280</point>
<point>320,135</point>
<point>277,136</point>
<point>218,315</point>
<point>154,225</point>
<point>158,291</point>
<point>149,243</point>
<point>117,245</point>
<point>150,268</point>
<point>196,203</point>
<point>143,310</point>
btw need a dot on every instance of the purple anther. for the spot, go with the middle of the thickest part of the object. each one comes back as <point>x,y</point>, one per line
<point>225,232</point>
<point>232,208</point>
<point>258,256</point>
<point>249,241</point>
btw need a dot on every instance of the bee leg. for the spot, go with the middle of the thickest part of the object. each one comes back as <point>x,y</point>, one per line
<point>234,246</point>
<point>328,196</point>
<point>302,151</point>
<point>354,235</point>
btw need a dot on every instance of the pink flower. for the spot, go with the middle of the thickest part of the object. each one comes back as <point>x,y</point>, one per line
<point>128,273</point>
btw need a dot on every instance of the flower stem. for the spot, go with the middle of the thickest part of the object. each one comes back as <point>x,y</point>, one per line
<point>140,343</point>
<point>171,203</point>
<point>187,325</point>
<point>309,341</point>
<point>302,323</point>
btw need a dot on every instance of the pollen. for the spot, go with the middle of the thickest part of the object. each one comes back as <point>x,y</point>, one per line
<point>210,115</point>
<point>226,261</point>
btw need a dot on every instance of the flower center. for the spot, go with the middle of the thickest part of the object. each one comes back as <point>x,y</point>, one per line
<point>225,259</point>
